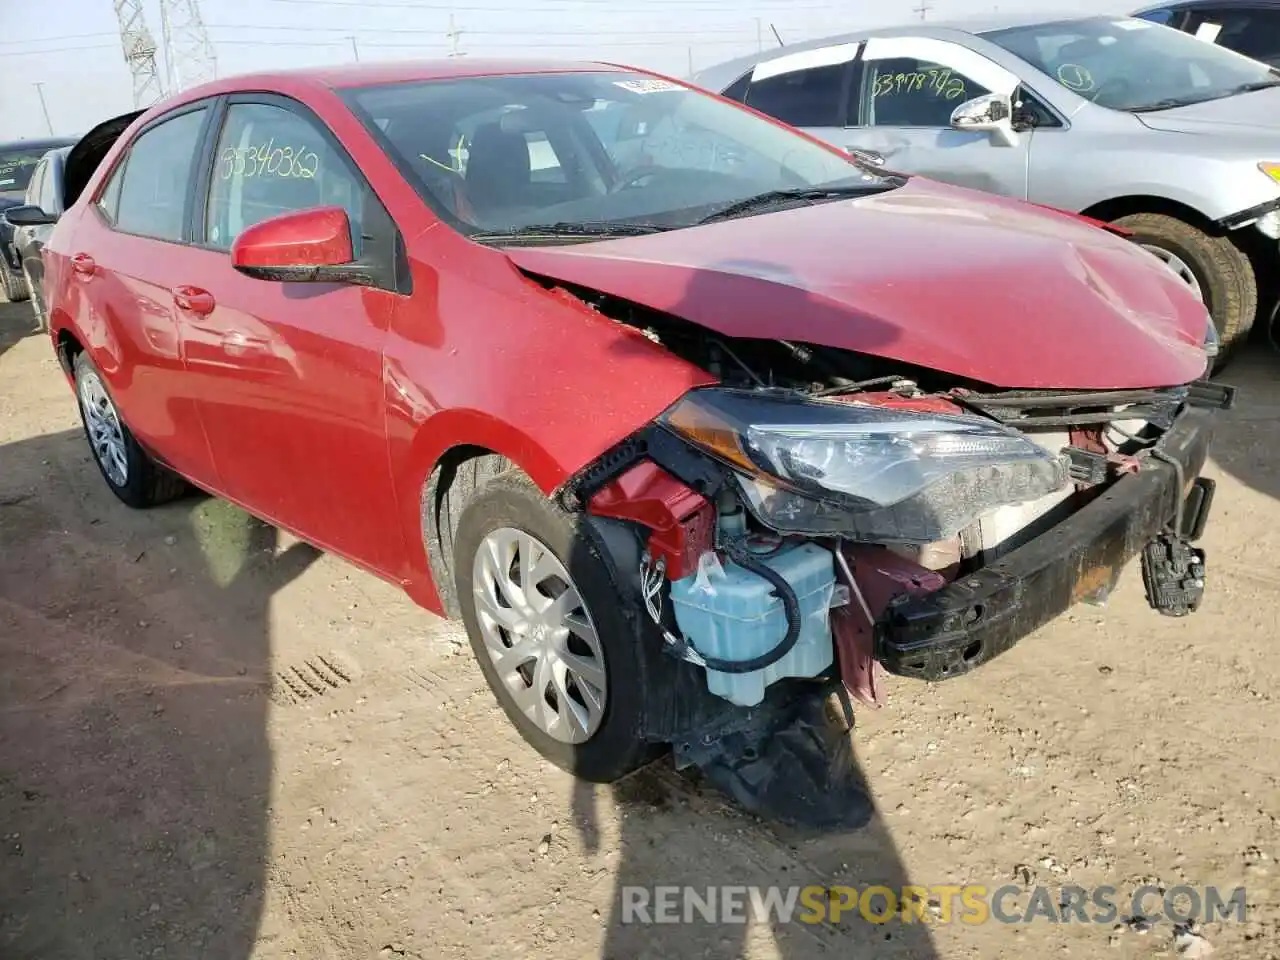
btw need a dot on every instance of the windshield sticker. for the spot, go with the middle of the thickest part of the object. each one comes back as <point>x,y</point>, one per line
<point>940,81</point>
<point>1208,32</point>
<point>1075,77</point>
<point>653,85</point>
<point>1131,24</point>
<point>268,160</point>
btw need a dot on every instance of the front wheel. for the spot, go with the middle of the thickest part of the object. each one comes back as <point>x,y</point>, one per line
<point>130,472</point>
<point>1213,267</point>
<point>559,644</point>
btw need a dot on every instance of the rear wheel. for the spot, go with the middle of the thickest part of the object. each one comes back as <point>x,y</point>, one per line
<point>559,643</point>
<point>1212,267</point>
<point>13,284</point>
<point>130,472</point>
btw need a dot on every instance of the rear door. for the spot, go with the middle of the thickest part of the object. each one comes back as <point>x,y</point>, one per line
<point>289,375</point>
<point>123,256</point>
<point>909,87</point>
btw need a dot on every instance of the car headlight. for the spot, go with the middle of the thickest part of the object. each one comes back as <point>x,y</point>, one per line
<point>862,471</point>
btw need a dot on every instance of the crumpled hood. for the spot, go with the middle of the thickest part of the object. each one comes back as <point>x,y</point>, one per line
<point>1002,292</point>
<point>1257,115</point>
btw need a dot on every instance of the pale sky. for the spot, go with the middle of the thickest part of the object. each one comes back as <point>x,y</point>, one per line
<point>72,46</point>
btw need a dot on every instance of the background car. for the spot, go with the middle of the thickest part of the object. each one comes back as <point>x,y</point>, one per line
<point>1128,122</point>
<point>1251,27</point>
<point>18,161</point>
<point>33,222</point>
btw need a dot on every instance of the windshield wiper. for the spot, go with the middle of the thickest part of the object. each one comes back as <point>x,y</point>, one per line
<point>772,198</point>
<point>586,230</point>
<point>1257,85</point>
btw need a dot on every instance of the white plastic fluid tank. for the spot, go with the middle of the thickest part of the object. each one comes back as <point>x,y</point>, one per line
<point>732,614</point>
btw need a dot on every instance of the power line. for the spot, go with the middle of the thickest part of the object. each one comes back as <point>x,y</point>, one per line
<point>592,32</point>
<point>36,53</point>
<point>73,36</point>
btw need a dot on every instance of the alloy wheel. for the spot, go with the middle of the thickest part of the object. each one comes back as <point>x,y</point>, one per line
<point>1179,267</point>
<point>539,635</point>
<point>106,437</point>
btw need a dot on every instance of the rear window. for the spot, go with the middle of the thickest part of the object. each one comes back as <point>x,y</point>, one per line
<point>16,167</point>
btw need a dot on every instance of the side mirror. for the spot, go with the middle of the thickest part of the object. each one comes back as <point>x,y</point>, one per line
<point>29,215</point>
<point>992,113</point>
<point>309,246</point>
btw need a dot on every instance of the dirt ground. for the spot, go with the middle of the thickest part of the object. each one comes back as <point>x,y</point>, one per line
<point>217,743</point>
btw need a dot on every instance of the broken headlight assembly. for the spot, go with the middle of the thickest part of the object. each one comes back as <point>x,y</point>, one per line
<point>860,471</point>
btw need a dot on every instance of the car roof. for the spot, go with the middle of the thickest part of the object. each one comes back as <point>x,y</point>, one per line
<point>375,74</point>
<point>38,143</point>
<point>1208,5</point>
<point>955,29</point>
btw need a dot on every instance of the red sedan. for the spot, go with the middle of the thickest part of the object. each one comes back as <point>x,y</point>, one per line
<point>687,416</point>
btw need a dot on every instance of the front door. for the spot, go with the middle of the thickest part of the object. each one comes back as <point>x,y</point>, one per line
<point>902,113</point>
<point>289,375</point>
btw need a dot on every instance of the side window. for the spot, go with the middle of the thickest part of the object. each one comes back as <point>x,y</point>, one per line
<point>802,98</point>
<point>909,92</point>
<point>35,187</point>
<point>153,192</point>
<point>1163,16</point>
<point>269,161</point>
<point>109,200</point>
<point>1255,33</point>
<point>738,89</point>
<point>48,198</point>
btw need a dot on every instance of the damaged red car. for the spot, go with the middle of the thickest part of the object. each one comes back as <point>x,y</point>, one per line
<point>688,417</point>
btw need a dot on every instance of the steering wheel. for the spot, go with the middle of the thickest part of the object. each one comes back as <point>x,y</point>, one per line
<point>635,175</point>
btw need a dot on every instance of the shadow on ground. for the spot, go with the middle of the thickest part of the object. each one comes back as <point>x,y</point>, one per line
<point>134,766</point>
<point>1246,442</point>
<point>16,323</point>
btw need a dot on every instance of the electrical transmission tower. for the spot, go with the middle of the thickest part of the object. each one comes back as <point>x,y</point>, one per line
<point>139,53</point>
<point>188,53</point>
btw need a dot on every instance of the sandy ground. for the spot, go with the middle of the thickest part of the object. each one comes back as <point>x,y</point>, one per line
<point>215,742</point>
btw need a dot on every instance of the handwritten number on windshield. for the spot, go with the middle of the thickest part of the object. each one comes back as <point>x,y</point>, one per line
<point>940,81</point>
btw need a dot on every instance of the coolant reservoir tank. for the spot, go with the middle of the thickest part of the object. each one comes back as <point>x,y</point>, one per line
<point>731,613</point>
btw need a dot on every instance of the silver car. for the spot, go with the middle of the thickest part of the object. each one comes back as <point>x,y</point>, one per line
<point>1175,140</point>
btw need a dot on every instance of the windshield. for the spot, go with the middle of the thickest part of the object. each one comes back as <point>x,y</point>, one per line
<point>1129,64</point>
<point>601,151</point>
<point>16,167</point>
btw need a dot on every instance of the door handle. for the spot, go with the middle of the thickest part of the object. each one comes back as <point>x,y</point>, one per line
<point>194,300</point>
<point>866,156</point>
<point>84,264</point>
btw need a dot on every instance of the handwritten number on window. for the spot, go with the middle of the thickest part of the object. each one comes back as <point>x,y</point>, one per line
<point>941,82</point>
<point>269,160</point>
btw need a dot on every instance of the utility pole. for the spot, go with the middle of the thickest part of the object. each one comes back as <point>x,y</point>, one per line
<point>355,50</point>
<point>690,49</point>
<point>139,49</point>
<point>759,35</point>
<point>455,35</point>
<point>39,85</point>
<point>188,53</point>
<point>924,9</point>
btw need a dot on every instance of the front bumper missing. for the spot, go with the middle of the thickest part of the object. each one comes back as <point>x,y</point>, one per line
<point>979,616</point>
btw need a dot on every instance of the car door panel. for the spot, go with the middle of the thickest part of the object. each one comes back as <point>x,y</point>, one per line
<point>128,321</point>
<point>288,376</point>
<point>909,86</point>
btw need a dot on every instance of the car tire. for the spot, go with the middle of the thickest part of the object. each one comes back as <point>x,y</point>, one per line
<point>12,284</point>
<point>15,287</point>
<point>607,636</point>
<point>37,302</point>
<point>131,473</point>
<point>1222,270</point>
